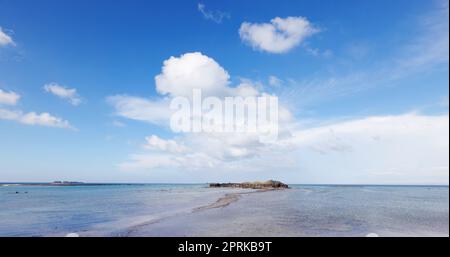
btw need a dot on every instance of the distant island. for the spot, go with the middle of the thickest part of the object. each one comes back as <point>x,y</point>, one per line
<point>66,183</point>
<point>54,183</point>
<point>270,184</point>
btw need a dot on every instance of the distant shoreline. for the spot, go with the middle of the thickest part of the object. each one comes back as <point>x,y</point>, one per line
<point>68,185</point>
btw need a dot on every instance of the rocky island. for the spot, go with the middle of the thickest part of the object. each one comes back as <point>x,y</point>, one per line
<point>270,184</point>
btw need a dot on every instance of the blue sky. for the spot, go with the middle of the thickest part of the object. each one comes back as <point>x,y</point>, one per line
<point>367,69</point>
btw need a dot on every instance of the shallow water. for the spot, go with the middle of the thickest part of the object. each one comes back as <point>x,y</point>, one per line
<point>93,210</point>
<point>167,210</point>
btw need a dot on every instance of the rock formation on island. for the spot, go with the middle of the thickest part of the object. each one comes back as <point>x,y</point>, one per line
<point>270,184</point>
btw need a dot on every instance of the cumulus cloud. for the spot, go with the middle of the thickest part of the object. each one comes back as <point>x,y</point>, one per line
<point>195,151</point>
<point>5,39</point>
<point>69,94</point>
<point>32,118</point>
<point>278,36</point>
<point>8,98</point>
<point>216,16</point>
<point>192,70</point>
<point>179,76</point>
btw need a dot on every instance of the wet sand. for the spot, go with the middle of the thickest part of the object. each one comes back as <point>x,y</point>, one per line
<point>228,199</point>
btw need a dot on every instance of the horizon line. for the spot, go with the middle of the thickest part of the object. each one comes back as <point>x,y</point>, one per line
<point>79,183</point>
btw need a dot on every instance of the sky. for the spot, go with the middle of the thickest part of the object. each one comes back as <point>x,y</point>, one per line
<point>362,88</point>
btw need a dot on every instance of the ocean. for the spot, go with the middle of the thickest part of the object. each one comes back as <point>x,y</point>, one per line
<point>189,210</point>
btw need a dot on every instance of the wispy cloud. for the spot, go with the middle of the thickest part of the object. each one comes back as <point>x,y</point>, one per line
<point>8,98</point>
<point>69,94</point>
<point>428,51</point>
<point>32,118</point>
<point>216,16</point>
<point>431,46</point>
<point>411,144</point>
<point>275,81</point>
<point>5,39</point>
<point>141,109</point>
<point>118,124</point>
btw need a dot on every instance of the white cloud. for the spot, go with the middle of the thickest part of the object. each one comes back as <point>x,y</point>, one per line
<point>402,149</point>
<point>200,150</point>
<point>340,152</point>
<point>191,70</point>
<point>32,118</point>
<point>398,149</point>
<point>69,94</point>
<point>5,39</point>
<point>196,151</point>
<point>8,98</point>
<point>179,76</point>
<point>275,81</point>
<point>141,109</point>
<point>216,16</point>
<point>278,36</point>
<point>317,52</point>
<point>155,143</point>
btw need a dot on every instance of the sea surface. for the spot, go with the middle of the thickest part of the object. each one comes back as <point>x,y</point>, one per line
<point>189,210</point>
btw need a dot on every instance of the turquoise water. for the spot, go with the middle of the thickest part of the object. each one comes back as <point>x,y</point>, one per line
<point>166,210</point>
